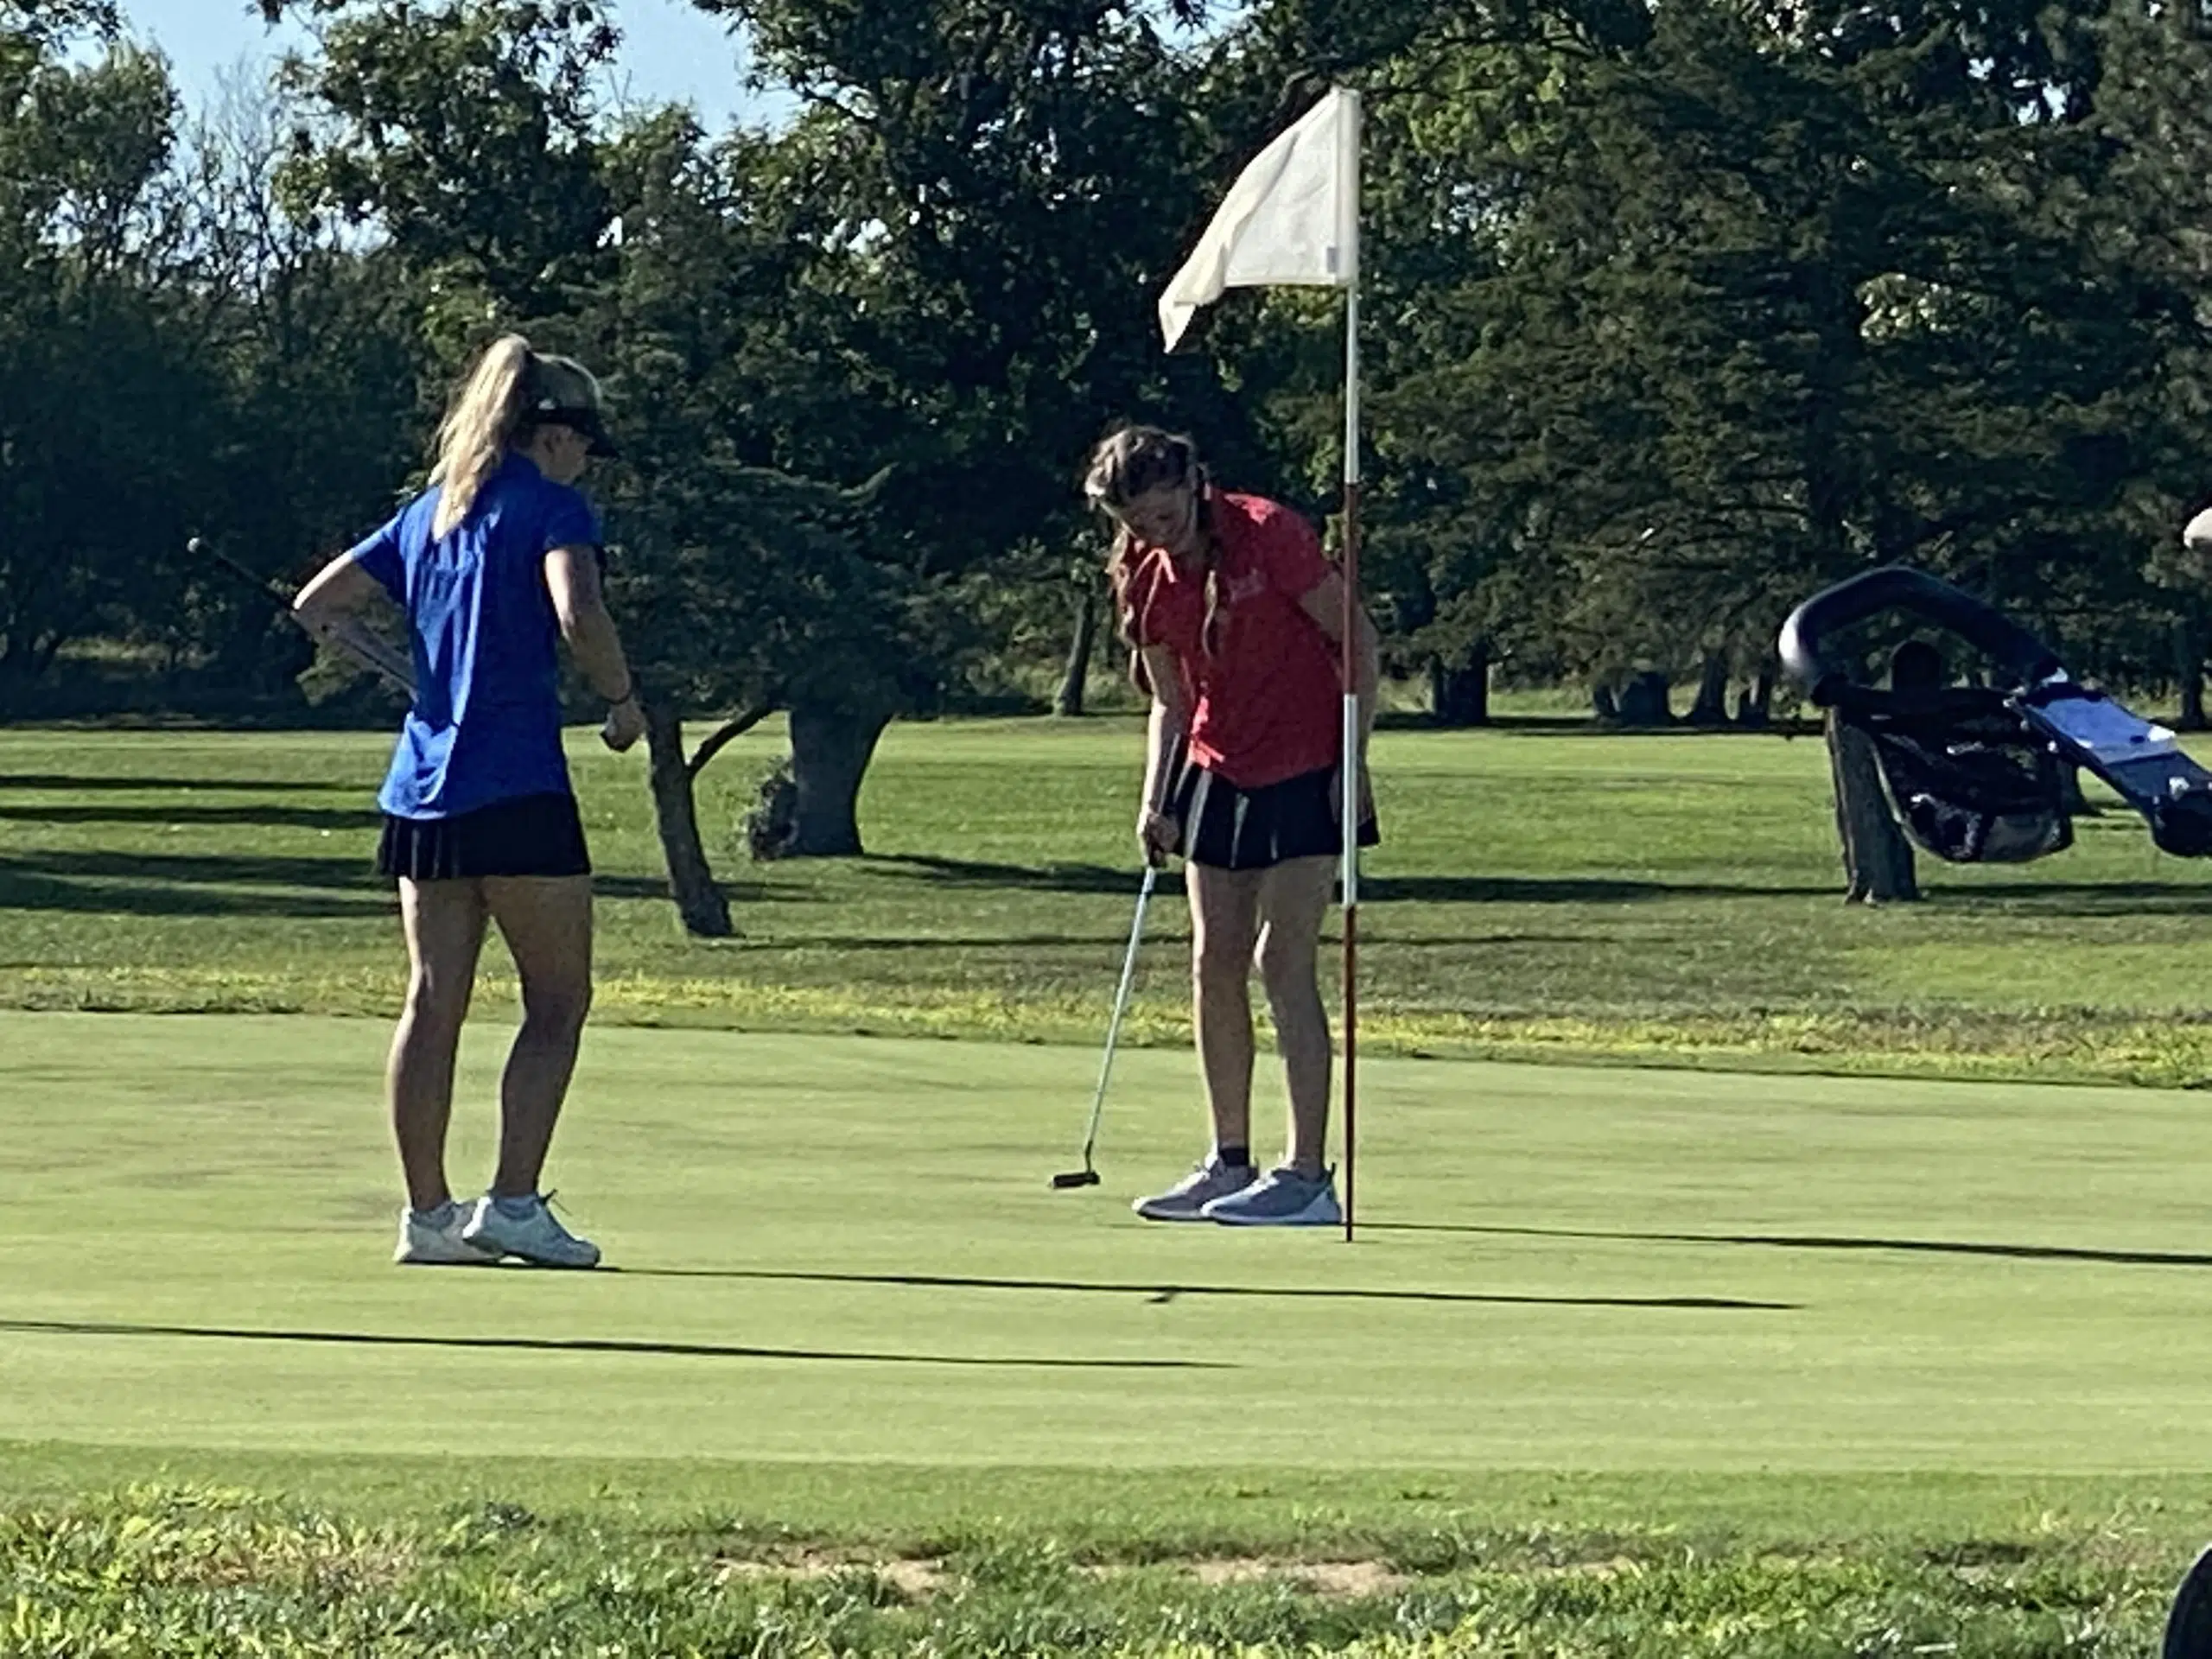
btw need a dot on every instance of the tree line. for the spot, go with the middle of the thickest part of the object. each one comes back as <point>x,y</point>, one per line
<point>1674,312</point>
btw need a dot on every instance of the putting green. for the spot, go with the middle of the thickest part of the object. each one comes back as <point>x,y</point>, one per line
<point>845,1249</point>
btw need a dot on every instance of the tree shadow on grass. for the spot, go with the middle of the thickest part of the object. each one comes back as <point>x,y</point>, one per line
<point>587,1345</point>
<point>1373,890</point>
<point>267,815</point>
<point>1473,941</point>
<point>2085,898</point>
<point>1567,890</point>
<point>1171,1292</point>
<point>1587,726</point>
<point>228,884</point>
<point>1043,878</point>
<point>1822,1242</point>
<point>740,894</point>
<point>923,942</point>
<point>174,883</point>
<point>69,785</point>
<point>2057,898</point>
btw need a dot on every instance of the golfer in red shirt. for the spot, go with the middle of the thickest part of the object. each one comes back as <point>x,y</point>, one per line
<point>1236,621</point>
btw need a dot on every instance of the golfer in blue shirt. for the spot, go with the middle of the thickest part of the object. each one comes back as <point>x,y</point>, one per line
<point>495,564</point>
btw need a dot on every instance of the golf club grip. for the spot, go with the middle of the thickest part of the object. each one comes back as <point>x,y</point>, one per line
<point>1171,772</point>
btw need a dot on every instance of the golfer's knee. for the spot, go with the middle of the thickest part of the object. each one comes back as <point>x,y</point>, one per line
<point>558,1005</point>
<point>437,1002</point>
<point>1286,970</point>
<point>1217,961</point>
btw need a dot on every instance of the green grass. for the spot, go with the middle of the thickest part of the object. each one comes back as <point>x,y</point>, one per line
<point>1542,893</point>
<point>1628,1362</point>
<point>1764,1358</point>
<point>845,1250</point>
<point>191,1572</point>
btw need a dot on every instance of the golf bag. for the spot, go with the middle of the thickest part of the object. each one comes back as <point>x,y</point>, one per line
<point>1974,771</point>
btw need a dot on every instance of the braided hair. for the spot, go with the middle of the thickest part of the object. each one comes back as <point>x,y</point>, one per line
<point>1131,463</point>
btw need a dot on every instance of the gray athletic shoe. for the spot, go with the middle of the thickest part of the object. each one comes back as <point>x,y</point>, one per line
<point>1282,1198</point>
<point>434,1240</point>
<point>1186,1199</point>
<point>537,1237</point>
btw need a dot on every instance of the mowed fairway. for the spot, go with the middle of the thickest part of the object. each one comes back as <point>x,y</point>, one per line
<point>1542,891</point>
<point>843,1250</point>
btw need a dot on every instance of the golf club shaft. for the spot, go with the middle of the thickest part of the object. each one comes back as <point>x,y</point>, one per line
<point>1120,1005</point>
<point>349,637</point>
<point>375,655</point>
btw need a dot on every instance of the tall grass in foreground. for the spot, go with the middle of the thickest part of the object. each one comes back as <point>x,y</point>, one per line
<point>181,1574</point>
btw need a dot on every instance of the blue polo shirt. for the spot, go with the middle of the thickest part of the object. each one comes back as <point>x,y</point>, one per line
<point>486,723</point>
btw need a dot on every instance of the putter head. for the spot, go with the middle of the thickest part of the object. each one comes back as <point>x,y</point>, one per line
<point>1075,1177</point>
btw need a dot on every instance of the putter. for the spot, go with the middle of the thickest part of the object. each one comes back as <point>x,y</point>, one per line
<point>1087,1176</point>
<point>356,642</point>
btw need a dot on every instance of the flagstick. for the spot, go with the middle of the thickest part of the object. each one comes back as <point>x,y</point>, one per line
<point>1350,768</point>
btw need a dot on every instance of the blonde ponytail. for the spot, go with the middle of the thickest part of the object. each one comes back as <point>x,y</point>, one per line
<point>484,419</point>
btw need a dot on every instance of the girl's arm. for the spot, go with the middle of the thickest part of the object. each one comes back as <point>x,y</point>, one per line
<point>1164,731</point>
<point>572,579</point>
<point>333,593</point>
<point>1325,605</point>
<point>326,608</point>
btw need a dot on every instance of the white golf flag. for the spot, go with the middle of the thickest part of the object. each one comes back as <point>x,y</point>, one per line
<point>1292,217</point>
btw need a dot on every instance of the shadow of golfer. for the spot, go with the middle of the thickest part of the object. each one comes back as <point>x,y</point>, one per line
<point>1820,1242</point>
<point>588,1345</point>
<point>1173,1292</point>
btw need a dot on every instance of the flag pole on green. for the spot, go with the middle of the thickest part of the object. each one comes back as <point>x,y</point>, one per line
<point>1292,218</point>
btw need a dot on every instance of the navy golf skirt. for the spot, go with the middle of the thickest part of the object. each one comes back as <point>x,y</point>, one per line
<point>532,835</point>
<point>1234,829</point>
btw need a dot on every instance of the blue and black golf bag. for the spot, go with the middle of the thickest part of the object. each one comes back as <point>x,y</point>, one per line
<point>1974,770</point>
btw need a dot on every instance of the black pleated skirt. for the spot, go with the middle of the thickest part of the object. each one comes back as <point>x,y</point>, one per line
<point>533,834</point>
<point>1234,829</point>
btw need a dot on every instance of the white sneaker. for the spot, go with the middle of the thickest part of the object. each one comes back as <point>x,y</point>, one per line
<point>537,1238</point>
<point>434,1241</point>
<point>1183,1201</point>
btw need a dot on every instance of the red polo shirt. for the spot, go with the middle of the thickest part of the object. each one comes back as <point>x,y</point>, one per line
<point>1267,702</point>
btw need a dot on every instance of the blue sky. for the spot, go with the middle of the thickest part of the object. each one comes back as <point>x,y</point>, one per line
<point>671,52</point>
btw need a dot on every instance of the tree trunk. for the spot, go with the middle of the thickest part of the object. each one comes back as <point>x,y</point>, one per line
<point>1644,702</point>
<point>1877,858</point>
<point>700,903</point>
<point>1710,707</point>
<point>1458,691</point>
<point>1756,707</point>
<point>1069,702</point>
<point>830,750</point>
<point>2189,672</point>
